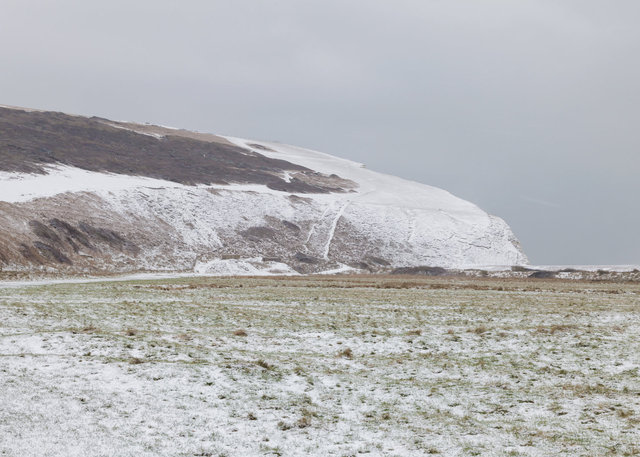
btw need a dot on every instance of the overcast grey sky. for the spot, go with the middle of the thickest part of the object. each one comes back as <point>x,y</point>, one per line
<point>529,108</point>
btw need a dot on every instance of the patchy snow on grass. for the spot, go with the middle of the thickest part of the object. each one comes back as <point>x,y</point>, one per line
<point>91,279</point>
<point>340,366</point>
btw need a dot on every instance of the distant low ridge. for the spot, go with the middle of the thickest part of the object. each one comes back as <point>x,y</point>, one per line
<point>86,194</point>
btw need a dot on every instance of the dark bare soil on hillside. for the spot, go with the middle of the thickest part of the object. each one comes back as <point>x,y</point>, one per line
<point>30,141</point>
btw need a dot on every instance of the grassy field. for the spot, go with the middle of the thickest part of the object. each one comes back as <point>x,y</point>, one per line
<point>379,366</point>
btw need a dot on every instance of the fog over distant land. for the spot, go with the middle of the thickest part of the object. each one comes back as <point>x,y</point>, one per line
<point>529,108</point>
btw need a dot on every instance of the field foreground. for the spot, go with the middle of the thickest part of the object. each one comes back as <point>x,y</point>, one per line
<point>380,366</point>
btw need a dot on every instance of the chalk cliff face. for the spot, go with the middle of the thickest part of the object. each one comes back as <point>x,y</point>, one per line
<point>84,194</point>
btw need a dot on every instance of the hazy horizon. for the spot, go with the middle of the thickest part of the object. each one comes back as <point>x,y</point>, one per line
<point>528,109</point>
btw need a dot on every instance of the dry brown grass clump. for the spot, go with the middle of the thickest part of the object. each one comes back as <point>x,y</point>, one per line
<point>624,413</point>
<point>555,328</point>
<point>265,365</point>
<point>346,353</point>
<point>303,422</point>
<point>479,330</point>
<point>284,426</point>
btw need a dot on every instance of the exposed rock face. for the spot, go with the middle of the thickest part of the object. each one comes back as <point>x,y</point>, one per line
<point>86,194</point>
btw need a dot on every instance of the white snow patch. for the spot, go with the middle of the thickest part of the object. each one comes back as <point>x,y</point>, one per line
<point>243,267</point>
<point>374,188</point>
<point>332,230</point>
<point>340,270</point>
<point>22,187</point>
<point>286,176</point>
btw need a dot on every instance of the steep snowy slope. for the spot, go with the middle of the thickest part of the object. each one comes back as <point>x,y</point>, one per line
<point>263,207</point>
<point>407,222</point>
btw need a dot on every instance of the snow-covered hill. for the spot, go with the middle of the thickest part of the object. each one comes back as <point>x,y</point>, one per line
<point>282,209</point>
